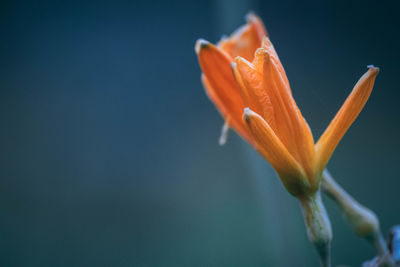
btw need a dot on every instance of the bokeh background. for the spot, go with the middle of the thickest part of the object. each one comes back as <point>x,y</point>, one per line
<point>108,144</point>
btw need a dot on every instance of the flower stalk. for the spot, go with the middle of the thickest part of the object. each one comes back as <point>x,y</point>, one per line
<point>362,220</point>
<point>318,226</point>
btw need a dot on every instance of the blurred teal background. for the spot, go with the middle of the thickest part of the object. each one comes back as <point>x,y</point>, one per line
<point>109,153</point>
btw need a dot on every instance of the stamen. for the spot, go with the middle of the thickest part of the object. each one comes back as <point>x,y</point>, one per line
<point>224,134</point>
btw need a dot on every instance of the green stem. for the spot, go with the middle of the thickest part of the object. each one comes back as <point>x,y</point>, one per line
<point>363,221</point>
<point>318,226</point>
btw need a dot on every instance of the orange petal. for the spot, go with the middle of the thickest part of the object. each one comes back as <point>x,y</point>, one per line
<point>251,81</point>
<point>221,86</point>
<point>223,109</point>
<point>257,24</point>
<point>267,45</point>
<point>292,129</point>
<point>344,118</point>
<point>269,146</point>
<point>245,40</point>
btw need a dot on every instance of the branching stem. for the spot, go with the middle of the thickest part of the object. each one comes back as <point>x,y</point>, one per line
<point>363,221</point>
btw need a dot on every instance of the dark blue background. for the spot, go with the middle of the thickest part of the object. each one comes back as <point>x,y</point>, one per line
<point>108,144</point>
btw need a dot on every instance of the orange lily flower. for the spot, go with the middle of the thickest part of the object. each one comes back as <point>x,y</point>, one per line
<point>245,79</point>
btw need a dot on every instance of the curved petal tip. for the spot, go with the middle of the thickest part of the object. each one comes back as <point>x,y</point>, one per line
<point>250,16</point>
<point>373,69</point>
<point>201,44</point>
<point>247,113</point>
